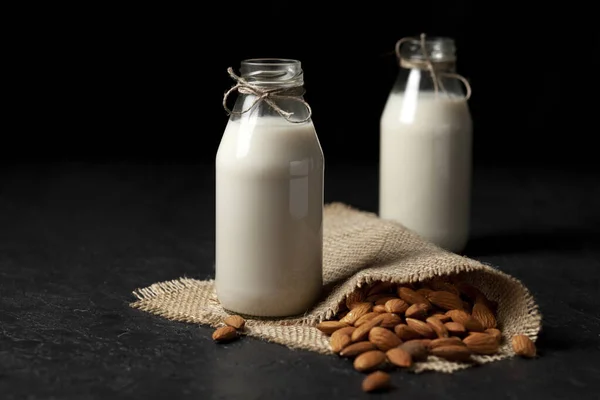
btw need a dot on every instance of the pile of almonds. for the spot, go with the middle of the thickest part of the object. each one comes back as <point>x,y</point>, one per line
<point>388,325</point>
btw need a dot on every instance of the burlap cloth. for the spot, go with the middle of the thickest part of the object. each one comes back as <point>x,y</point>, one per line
<point>358,248</point>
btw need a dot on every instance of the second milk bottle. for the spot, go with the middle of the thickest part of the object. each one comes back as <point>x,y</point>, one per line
<point>269,195</point>
<point>425,153</point>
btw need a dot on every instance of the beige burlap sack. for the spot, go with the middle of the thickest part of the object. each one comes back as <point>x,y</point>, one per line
<point>359,248</point>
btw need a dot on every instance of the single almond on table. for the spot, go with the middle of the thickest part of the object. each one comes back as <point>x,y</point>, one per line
<point>481,343</point>
<point>523,346</point>
<point>495,333</point>
<point>375,381</point>
<point>357,348</point>
<point>369,360</point>
<point>380,308</point>
<point>405,332</point>
<point>452,353</point>
<point>361,332</point>
<point>366,317</point>
<point>445,300</point>
<point>484,315</point>
<point>455,328</point>
<point>383,338</point>
<point>235,321</point>
<point>358,311</point>
<point>356,297</point>
<point>389,320</point>
<point>224,334</point>
<point>453,341</point>
<point>422,328</point>
<point>417,311</point>
<point>328,327</point>
<point>396,306</point>
<point>438,327</point>
<point>338,342</point>
<point>411,297</point>
<point>399,357</point>
<point>417,349</point>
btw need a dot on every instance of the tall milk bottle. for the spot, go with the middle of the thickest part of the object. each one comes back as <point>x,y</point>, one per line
<point>269,195</point>
<point>425,145</point>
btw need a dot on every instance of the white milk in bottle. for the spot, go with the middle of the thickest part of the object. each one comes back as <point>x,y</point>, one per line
<point>425,146</point>
<point>269,196</point>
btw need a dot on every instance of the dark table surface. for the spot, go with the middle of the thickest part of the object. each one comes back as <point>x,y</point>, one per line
<point>76,239</point>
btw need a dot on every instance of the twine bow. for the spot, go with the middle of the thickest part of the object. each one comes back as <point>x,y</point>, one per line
<point>267,95</point>
<point>433,67</point>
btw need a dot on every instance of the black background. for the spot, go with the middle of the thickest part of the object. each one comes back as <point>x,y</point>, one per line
<point>145,83</point>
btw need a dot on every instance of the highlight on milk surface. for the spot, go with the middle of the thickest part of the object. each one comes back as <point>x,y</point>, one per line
<point>426,144</point>
<point>269,194</point>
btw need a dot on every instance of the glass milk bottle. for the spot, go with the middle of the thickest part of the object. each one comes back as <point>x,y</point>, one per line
<point>425,153</point>
<point>269,195</point>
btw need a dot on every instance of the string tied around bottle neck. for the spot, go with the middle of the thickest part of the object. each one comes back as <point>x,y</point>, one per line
<point>268,95</point>
<point>435,68</point>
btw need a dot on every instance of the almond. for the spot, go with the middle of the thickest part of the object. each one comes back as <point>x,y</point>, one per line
<point>356,297</point>
<point>383,338</point>
<point>382,300</point>
<point>424,291</point>
<point>376,381</point>
<point>366,317</point>
<point>459,316</point>
<point>369,360</point>
<point>481,343</point>
<point>405,332</point>
<point>396,306</point>
<point>338,342</point>
<point>374,297</point>
<point>235,321</point>
<point>445,300</point>
<point>452,353</point>
<point>389,320</point>
<point>399,357</point>
<point>361,332</point>
<point>442,317</point>
<point>484,315</point>
<point>380,287</point>
<point>357,348</point>
<point>442,286</point>
<point>495,333</point>
<point>224,334</point>
<point>523,346</point>
<point>453,341</point>
<point>422,328</point>
<point>417,349</point>
<point>417,311</point>
<point>328,327</point>
<point>355,313</point>
<point>455,328</point>
<point>411,297</point>
<point>343,331</point>
<point>380,308</point>
<point>466,320</point>
<point>438,327</point>
<point>468,290</point>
